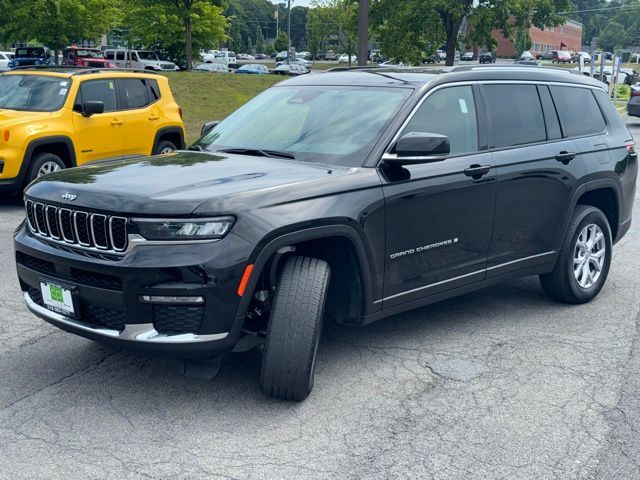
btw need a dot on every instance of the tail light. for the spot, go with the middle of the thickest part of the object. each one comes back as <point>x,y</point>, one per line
<point>635,92</point>
<point>631,148</point>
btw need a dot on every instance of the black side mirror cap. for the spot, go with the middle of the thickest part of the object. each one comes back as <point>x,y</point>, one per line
<point>419,147</point>
<point>207,127</point>
<point>92,107</point>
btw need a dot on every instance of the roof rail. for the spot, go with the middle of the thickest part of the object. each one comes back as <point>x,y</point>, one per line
<point>86,70</point>
<point>80,70</point>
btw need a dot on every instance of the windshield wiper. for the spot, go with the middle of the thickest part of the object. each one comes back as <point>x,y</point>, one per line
<point>259,152</point>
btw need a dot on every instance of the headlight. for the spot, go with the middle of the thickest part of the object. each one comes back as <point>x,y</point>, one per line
<point>180,229</point>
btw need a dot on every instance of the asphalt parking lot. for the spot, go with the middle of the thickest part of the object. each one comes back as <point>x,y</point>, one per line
<point>501,383</point>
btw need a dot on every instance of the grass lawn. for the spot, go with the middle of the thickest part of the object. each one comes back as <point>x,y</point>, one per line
<point>204,97</point>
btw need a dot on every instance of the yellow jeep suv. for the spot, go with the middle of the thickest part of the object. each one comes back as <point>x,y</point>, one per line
<point>55,118</point>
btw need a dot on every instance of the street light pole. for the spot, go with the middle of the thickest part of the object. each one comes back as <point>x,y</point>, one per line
<point>289,30</point>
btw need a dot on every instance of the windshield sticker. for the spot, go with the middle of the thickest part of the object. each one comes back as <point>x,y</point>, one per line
<point>110,85</point>
<point>63,91</point>
<point>64,84</point>
<point>463,105</point>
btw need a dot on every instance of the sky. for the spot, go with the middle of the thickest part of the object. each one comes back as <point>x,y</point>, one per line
<point>295,3</point>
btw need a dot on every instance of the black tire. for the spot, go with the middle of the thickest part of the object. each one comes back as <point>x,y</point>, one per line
<point>39,161</point>
<point>295,326</point>
<point>163,146</point>
<point>561,284</point>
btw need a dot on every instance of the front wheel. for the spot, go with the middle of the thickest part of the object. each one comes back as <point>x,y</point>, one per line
<point>293,334</point>
<point>165,146</point>
<point>43,164</point>
<point>584,259</point>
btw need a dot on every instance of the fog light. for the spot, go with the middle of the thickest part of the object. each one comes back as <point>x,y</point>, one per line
<point>167,299</point>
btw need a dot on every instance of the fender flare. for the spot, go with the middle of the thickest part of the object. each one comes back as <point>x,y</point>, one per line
<point>164,131</point>
<point>38,142</point>
<point>314,233</point>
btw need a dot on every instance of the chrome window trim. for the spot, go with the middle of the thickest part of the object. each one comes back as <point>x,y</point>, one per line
<point>55,215</point>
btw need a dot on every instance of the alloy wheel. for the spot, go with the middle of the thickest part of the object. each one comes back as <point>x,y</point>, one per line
<point>48,167</point>
<point>589,255</point>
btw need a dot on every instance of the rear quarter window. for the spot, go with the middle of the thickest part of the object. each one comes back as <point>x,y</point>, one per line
<point>579,111</point>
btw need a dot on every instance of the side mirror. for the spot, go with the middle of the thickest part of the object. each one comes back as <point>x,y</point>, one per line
<point>207,127</point>
<point>418,147</point>
<point>92,107</point>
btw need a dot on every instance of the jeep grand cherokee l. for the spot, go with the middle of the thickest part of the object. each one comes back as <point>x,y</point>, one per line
<point>350,195</point>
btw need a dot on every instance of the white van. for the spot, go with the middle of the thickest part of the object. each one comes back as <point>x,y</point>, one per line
<point>140,59</point>
<point>5,58</point>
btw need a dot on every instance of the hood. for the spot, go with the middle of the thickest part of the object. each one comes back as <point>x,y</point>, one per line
<point>173,184</point>
<point>14,117</point>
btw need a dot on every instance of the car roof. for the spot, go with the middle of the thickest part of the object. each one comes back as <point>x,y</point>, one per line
<point>417,77</point>
<point>67,71</point>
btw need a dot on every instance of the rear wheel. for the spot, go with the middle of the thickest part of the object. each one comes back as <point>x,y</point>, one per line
<point>584,259</point>
<point>44,164</point>
<point>293,334</point>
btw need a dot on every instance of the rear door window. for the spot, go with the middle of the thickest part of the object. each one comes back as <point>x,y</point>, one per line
<point>516,114</point>
<point>133,92</point>
<point>579,111</point>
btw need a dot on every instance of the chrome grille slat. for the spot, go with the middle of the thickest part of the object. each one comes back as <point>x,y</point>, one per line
<point>77,228</point>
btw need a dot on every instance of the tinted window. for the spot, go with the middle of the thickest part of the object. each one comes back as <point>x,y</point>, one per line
<point>120,55</point>
<point>516,114</point>
<point>451,112</point>
<point>155,90</point>
<point>578,110</point>
<point>109,55</point>
<point>101,91</point>
<point>614,120</point>
<point>134,93</point>
<point>550,114</point>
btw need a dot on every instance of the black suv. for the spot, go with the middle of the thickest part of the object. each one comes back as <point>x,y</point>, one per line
<point>351,195</point>
<point>487,57</point>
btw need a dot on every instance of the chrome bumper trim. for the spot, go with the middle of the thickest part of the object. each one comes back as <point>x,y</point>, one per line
<point>143,332</point>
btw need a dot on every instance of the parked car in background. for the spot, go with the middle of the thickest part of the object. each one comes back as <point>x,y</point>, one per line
<point>291,69</point>
<point>527,55</point>
<point>435,58</point>
<point>85,57</point>
<point>344,58</point>
<point>375,55</point>
<point>547,55</point>
<point>467,56</point>
<point>561,56</point>
<point>487,57</point>
<point>138,59</point>
<point>281,56</point>
<point>330,56</point>
<point>65,118</point>
<point>5,58</point>
<point>226,58</point>
<point>531,61</point>
<point>253,69</point>
<point>303,55</point>
<point>295,61</point>
<point>261,56</point>
<point>212,68</point>
<point>25,56</point>
<point>245,56</point>
<point>442,55</point>
<point>586,58</point>
<point>633,105</point>
<point>608,56</point>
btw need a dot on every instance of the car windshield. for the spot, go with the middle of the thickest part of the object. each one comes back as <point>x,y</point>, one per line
<point>335,125</point>
<point>30,52</point>
<point>89,53</point>
<point>33,92</point>
<point>147,55</point>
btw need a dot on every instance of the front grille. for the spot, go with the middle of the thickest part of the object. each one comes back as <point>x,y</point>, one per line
<point>176,319</point>
<point>167,66</point>
<point>96,64</point>
<point>77,227</point>
<point>33,263</point>
<point>35,295</point>
<point>94,279</point>
<point>102,317</point>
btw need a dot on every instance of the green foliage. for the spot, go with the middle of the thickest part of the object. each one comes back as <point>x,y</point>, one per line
<point>281,42</point>
<point>613,36</point>
<point>57,23</point>
<point>523,40</point>
<point>624,91</point>
<point>337,17</point>
<point>162,25</point>
<point>260,48</point>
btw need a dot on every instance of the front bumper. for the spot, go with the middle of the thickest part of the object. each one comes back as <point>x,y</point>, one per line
<point>108,293</point>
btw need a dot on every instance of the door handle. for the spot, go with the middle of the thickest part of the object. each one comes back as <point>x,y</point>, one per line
<point>477,171</point>
<point>154,117</point>
<point>116,122</point>
<point>565,157</point>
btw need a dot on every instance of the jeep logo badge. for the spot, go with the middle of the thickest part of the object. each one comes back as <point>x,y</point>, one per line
<point>69,196</point>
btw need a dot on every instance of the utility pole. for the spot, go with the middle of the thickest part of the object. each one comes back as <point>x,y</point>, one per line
<point>289,30</point>
<point>363,33</point>
<point>277,19</point>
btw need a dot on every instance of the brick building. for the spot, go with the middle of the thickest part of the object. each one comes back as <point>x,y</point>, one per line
<point>563,37</point>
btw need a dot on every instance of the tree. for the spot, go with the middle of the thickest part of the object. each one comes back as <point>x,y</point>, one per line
<point>342,16</point>
<point>259,40</point>
<point>612,37</point>
<point>58,23</point>
<point>523,40</point>
<point>174,22</point>
<point>281,42</point>
<point>483,18</point>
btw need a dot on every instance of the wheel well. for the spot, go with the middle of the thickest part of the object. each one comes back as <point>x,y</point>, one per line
<point>173,137</point>
<point>60,149</point>
<point>604,199</point>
